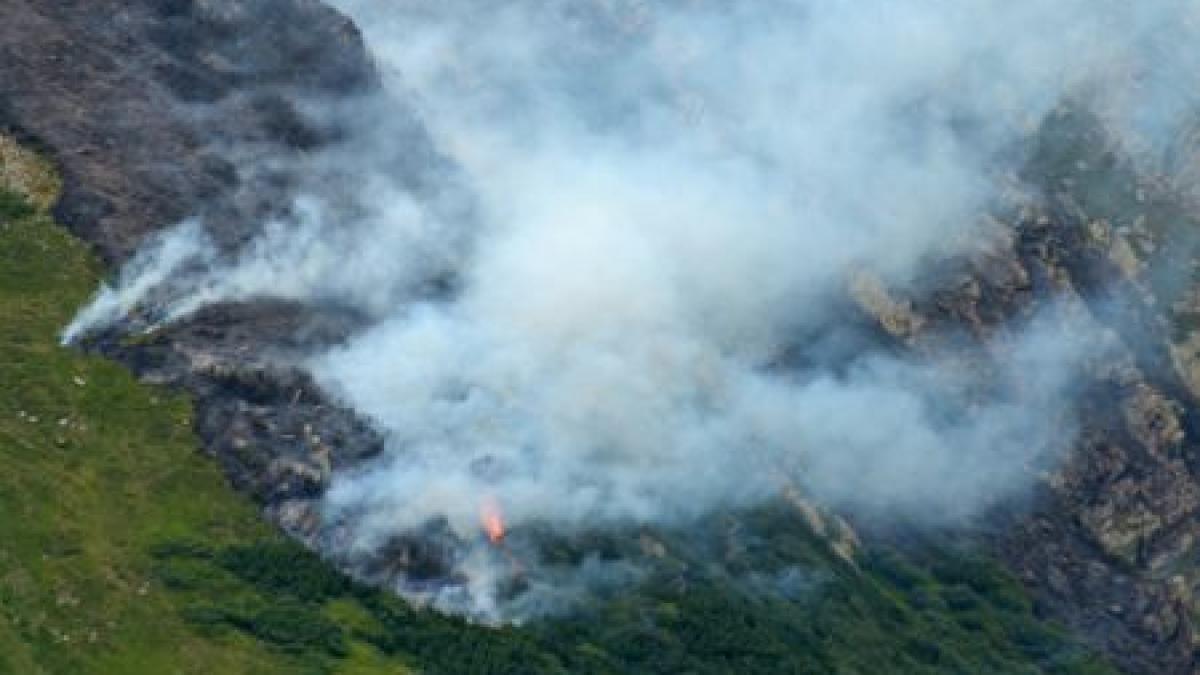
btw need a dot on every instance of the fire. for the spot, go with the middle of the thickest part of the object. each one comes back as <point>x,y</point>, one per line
<point>492,520</point>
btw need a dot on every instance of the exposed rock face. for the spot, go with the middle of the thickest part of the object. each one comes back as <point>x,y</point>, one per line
<point>128,95</point>
<point>1110,548</point>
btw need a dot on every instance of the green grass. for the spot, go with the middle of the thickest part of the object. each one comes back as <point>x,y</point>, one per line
<point>926,611</point>
<point>123,550</point>
<point>97,472</point>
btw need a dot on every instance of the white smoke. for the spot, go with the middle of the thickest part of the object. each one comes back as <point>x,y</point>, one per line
<point>649,202</point>
<point>158,260</point>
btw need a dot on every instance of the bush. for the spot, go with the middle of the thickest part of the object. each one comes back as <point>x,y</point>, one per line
<point>293,628</point>
<point>13,205</point>
<point>285,567</point>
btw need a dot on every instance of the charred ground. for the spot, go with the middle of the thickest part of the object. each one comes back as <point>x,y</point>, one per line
<point>125,98</point>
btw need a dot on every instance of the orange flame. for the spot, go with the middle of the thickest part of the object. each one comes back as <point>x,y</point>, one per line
<point>492,520</point>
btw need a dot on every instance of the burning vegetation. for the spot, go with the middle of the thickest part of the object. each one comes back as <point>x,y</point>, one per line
<point>491,519</point>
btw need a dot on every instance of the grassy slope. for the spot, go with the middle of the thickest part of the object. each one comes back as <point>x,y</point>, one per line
<point>122,550</point>
<point>97,471</point>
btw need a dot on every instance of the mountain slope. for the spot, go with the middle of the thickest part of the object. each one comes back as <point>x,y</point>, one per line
<point>117,499</point>
<point>124,550</point>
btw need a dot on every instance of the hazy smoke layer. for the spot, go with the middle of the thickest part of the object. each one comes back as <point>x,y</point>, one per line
<point>633,209</point>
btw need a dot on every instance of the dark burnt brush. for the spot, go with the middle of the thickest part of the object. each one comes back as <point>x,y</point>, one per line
<point>127,97</point>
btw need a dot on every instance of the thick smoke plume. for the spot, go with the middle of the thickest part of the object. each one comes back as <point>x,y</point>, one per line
<point>584,281</point>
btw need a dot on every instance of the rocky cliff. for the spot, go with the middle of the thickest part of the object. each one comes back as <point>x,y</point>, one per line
<point>1109,546</point>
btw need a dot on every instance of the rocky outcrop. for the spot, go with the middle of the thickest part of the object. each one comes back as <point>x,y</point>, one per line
<point>1110,547</point>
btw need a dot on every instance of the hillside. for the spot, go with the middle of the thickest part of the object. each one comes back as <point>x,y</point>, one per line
<point>125,551</point>
<point>526,315</point>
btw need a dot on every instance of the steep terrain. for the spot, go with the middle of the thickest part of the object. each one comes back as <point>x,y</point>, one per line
<point>148,105</point>
<point>124,550</point>
<point>148,108</point>
<point>1109,546</point>
<point>126,99</point>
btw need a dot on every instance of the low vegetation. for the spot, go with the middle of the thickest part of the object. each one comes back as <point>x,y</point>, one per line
<point>123,550</point>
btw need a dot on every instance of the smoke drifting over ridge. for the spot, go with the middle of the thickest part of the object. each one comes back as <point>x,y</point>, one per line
<point>632,211</point>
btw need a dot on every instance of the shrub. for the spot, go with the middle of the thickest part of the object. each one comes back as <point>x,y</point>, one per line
<point>13,205</point>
